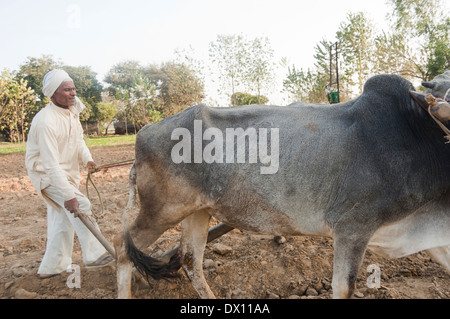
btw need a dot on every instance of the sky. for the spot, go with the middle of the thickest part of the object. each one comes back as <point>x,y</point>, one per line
<point>101,33</point>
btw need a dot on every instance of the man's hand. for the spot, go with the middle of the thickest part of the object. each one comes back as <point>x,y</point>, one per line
<point>91,166</point>
<point>72,206</point>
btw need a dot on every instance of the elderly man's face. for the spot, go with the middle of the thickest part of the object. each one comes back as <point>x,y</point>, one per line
<point>64,96</point>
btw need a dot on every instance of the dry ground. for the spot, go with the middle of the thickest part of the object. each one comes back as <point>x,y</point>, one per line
<point>245,265</point>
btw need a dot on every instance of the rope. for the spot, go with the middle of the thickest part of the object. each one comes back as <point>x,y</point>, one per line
<point>433,101</point>
<point>445,129</point>
<point>116,164</point>
<point>103,168</point>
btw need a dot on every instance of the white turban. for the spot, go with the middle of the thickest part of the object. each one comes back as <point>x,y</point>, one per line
<point>52,81</point>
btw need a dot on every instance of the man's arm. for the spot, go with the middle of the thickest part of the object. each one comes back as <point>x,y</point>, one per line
<point>48,147</point>
<point>84,155</point>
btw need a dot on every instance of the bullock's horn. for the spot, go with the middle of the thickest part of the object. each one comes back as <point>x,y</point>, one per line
<point>420,99</point>
<point>429,85</point>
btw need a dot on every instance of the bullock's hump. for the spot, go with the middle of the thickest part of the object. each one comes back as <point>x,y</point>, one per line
<point>387,85</point>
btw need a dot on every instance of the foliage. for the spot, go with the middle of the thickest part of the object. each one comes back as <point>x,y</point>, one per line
<point>355,61</point>
<point>305,86</point>
<point>356,40</point>
<point>86,83</point>
<point>179,88</point>
<point>33,71</point>
<point>240,98</point>
<point>259,68</point>
<point>423,28</point>
<point>17,100</point>
<point>227,53</point>
<point>88,113</point>
<point>242,64</point>
<point>105,114</point>
<point>147,94</point>
<point>394,55</point>
<point>416,46</point>
<point>135,92</point>
<point>123,76</point>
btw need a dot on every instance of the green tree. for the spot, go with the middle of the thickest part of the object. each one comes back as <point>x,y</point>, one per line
<point>424,26</point>
<point>147,91</point>
<point>227,55</point>
<point>138,102</point>
<point>179,88</point>
<point>132,85</point>
<point>240,98</point>
<point>5,79</point>
<point>123,76</point>
<point>88,114</point>
<point>322,56</point>
<point>242,64</point>
<point>106,113</point>
<point>33,71</point>
<point>86,83</point>
<point>259,66</point>
<point>17,101</point>
<point>305,86</point>
<point>394,55</point>
<point>356,42</point>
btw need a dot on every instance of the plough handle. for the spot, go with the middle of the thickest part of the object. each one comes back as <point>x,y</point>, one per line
<point>97,234</point>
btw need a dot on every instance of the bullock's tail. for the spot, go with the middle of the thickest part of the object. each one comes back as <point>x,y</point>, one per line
<point>149,266</point>
<point>146,265</point>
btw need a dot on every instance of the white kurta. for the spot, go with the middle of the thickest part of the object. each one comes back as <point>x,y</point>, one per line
<point>55,149</point>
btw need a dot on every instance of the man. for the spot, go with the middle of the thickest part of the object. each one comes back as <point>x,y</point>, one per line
<point>55,148</point>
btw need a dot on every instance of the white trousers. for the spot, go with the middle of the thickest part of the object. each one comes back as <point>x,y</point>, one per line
<point>61,225</point>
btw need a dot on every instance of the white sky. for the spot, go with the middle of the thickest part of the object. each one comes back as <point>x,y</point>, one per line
<point>102,33</point>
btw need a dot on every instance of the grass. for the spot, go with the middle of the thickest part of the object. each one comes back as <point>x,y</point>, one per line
<point>114,140</point>
<point>110,140</point>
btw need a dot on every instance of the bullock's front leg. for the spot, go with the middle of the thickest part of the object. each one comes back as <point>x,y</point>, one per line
<point>123,269</point>
<point>348,255</point>
<point>193,241</point>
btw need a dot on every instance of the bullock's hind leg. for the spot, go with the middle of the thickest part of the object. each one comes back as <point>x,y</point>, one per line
<point>349,249</point>
<point>193,241</point>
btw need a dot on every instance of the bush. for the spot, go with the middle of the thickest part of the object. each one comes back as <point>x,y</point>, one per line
<point>240,98</point>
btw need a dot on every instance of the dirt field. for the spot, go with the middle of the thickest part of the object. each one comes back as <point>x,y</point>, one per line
<point>239,265</point>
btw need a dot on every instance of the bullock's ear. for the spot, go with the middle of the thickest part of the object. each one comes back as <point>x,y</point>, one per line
<point>420,99</point>
<point>429,85</point>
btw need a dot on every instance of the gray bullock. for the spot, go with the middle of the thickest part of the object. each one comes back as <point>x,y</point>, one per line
<point>372,172</point>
